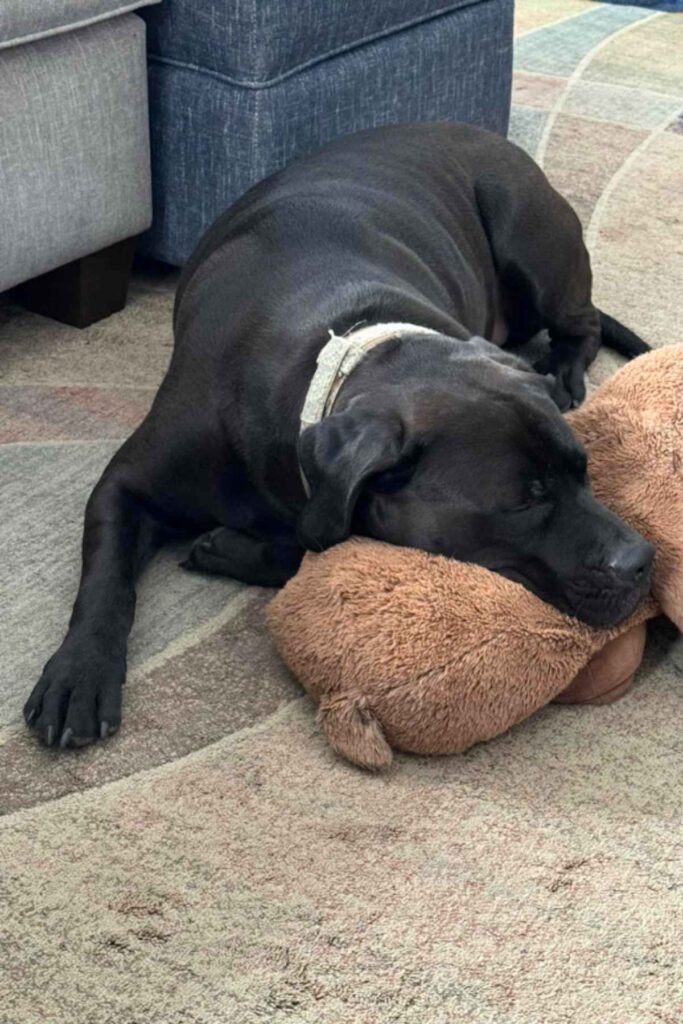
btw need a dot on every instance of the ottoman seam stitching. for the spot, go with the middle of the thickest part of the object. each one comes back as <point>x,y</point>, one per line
<point>357,44</point>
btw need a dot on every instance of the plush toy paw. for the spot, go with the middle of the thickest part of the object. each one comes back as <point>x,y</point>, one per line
<point>609,674</point>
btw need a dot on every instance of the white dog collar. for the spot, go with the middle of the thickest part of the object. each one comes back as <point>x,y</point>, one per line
<point>336,361</point>
<point>338,358</point>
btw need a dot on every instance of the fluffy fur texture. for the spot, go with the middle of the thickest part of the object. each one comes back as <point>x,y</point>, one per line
<point>633,431</point>
<point>417,652</point>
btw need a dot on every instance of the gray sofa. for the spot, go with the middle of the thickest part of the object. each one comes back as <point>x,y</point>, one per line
<point>74,152</point>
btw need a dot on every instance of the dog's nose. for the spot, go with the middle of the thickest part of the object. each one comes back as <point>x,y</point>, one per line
<point>632,560</point>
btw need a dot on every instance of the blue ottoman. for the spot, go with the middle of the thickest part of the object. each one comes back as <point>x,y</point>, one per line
<point>239,87</point>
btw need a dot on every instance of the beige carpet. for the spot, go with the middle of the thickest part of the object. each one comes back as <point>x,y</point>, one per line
<point>214,863</point>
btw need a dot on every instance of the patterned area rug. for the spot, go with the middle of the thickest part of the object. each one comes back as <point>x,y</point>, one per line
<point>214,863</point>
<point>654,5</point>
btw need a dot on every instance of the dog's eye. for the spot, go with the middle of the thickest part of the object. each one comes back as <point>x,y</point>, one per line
<point>537,493</point>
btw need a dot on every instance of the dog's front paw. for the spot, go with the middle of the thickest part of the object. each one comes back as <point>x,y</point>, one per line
<point>77,699</point>
<point>569,370</point>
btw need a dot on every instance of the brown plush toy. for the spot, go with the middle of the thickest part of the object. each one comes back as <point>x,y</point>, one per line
<point>421,653</point>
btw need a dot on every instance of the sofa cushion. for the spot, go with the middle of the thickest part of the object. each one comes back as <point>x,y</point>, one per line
<point>260,43</point>
<point>74,147</point>
<point>23,21</point>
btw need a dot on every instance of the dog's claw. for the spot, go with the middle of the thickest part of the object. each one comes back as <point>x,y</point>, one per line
<point>66,737</point>
<point>104,730</point>
<point>30,715</point>
<point>50,735</point>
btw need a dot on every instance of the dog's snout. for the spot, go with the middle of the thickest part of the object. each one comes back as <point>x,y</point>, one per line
<point>632,560</point>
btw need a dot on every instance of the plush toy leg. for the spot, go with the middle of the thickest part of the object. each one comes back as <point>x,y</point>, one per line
<point>353,731</point>
<point>609,673</point>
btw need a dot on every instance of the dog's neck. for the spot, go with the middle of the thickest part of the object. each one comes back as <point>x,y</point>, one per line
<point>337,360</point>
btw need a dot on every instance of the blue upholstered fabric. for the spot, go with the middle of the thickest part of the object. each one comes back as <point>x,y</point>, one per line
<point>256,42</point>
<point>212,138</point>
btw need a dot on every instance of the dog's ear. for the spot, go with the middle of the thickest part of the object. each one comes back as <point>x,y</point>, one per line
<point>535,376</point>
<point>337,457</point>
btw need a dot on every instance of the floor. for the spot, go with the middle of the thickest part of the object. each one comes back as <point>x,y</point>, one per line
<point>215,862</point>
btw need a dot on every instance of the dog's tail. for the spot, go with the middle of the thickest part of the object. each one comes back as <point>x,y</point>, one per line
<point>619,338</point>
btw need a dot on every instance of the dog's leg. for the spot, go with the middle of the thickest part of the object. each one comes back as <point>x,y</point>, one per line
<point>574,329</point>
<point>78,696</point>
<point>267,561</point>
<point>544,269</point>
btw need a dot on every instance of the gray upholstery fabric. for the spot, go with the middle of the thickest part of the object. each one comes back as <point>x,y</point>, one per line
<point>74,146</point>
<point>24,21</point>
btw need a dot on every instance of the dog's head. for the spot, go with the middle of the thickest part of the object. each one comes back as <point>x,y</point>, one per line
<point>459,449</point>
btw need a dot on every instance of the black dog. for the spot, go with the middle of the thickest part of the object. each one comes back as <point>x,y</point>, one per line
<point>438,441</point>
